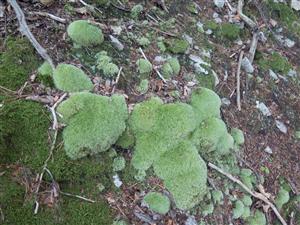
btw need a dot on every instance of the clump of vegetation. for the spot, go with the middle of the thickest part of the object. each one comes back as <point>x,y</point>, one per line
<point>275,62</point>
<point>23,132</point>
<point>71,79</point>
<point>94,123</point>
<point>126,140</point>
<point>238,136</point>
<point>171,68</point>
<point>45,73</point>
<point>16,63</point>
<point>143,41</point>
<point>144,67</point>
<point>157,202</point>
<point>282,198</point>
<point>258,218</point>
<point>104,63</point>
<point>238,209</point>
<point>229,31</point>
<point>136,11</point>
<point>119,163</point>
<point>101,2</point>
<point>85,34</point>
<point>247,177</point>
<point>217,196</point>
<point>177,46</point>
<point>143,86</point>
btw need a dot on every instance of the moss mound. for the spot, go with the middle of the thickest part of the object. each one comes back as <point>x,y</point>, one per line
<point>71,79</point>
<point>157,202</point>
<point>84,33</point>
<point>171,68</point>
<point>104,64</point>
<point>177,46</point>
<point>24,131</point>
<point>276,62</point>
<point>94,123</point>
<point>16,63</point>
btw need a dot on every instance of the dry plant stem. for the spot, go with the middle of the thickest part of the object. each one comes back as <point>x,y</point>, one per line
<point>238,82</point>
<point>24,29</point>
<point>77,196</point>
<point>253,46</point>
<point>55,128</point>
<point>156,70</point>
<point>253,193</point>
<point>51,16</point>
<point>90,7</point>
<point>117,80</point>
<point>245,18</point>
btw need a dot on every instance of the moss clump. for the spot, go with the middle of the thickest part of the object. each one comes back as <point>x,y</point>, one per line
<point>71,79</point>
<point>143,41</point>
<point>177,46</point>
<point>238,136</point>
<point>171,68</point>
<point>206,104</point>
<point>144,67</point>
<point>282,198</point>
<point>275,62</point>
<point>217,196</point>
<point>104,63</point>
<point>126,140</point>
<point>247,177</point>
<point>238,209</point>
<point>102,3</point>
<point>23,132</point>
<point>119,163</point>
<point>84,33</point>
<point>212,25</point>
<point>136,11</point>
<point>157,202</point>
<point>143,86</point>
<point>94,123</point>
<point>16,63</point>
<point>229,31</point>
<point>258,218</point>
<point>45,73</point>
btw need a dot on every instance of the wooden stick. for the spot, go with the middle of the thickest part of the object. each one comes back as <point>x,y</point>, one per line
<point>117,80</point>
<point>51,16</point>
<point>78,196</point>
<point>253,46</point>
<point>24,29</point>
<point>245,18</point>
<point>238,82</point>
<point>253,193</point>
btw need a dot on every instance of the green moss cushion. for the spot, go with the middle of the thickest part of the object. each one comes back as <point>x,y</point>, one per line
<point>94,123</point>
<point>84,33</point>
<point>71,79</point>
<point>157,202</point>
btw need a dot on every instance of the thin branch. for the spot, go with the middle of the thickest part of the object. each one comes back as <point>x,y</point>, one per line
<point>238,82</point>
<point>51,16</point>
<point>117,80</point>
<point>253,193</point>
<point>24,29</point>
<point>245,18</point>
<point>253,46</point>
<point>55,128</point>
<point>77,196</point>
<point>90,7</point>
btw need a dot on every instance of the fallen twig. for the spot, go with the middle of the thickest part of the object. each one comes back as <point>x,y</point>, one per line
<point>51,16</point>
<point>77,196</point>
<point>156,70</point>
<point>24,29</point>
<point>253,193</point>
<point>253,46</point>
<point>2,215</point>
<point>238,82</point>
<point>245,18</point>
<point>117,80</point>
<point>55,128</point>
<point>90,7</point>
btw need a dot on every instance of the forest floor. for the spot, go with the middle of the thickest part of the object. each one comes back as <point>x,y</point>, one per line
<point>272,143</point>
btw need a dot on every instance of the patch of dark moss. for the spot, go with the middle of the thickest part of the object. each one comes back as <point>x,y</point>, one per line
<point>68,211</point>
<point>177,46</point>
<point>275,62</point>
<point>16,63</point>
<point>228,31</point>
<point>24,131</point>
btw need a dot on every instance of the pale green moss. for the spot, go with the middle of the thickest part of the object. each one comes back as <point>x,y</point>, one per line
<point>126,140</point>
<point>206,104</point>
<point>71,79</point>
<point>276,62</point>
<point>177,46</point>
<point>45,69</point>
<point>171,68</point>
<point>207,209</point>
<point>238,136</point>
<point>217,196</point>
<point>119,163</point>
<point>84,33</point>
<point>143,41</point>
<point>247,200</point>
<point>104,64</point>
<point>247,212</point>
<point>238,209</point>
<point>229,31</point>
<point>247,177</point>
<point>144,67</point>
<point>143,86</point>
<point>136,11</point>
<point>282,198</point>
<point>94,123</point>
<point>257,219</point>
<point>157,202</point>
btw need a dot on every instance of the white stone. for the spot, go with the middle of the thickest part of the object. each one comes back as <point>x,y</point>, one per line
<point>273,75</point>
<point>289,43</point>
<point>118,183</point>
<point>295,4</point>
<point>116,43</point>
<point>281,126</point>
<point>219,3</point>
<point>247,65</point>
<point>268,150</point>
<point>263,108</point>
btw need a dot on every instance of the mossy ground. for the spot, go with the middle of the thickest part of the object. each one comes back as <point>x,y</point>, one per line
<point>17,62</point>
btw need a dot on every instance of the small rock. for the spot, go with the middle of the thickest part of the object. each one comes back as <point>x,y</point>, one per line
<point>268,150</point>
<point>209,32</point>
<point>198,60</point>
<point>225,101</point>
<point>188,38</point>
<point>200,26</point>
<point>116,43</point>
<point>247,65</point>
<point>292,73</point>
<point>219,3</point>
<point>295,4</point>
<point>273,75</point>
<point>116,30</point>
<point>263,108</point>
<point>191,221</point>
<point>289,43</point>
<point>281,126</point>
<point>117,182</point>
